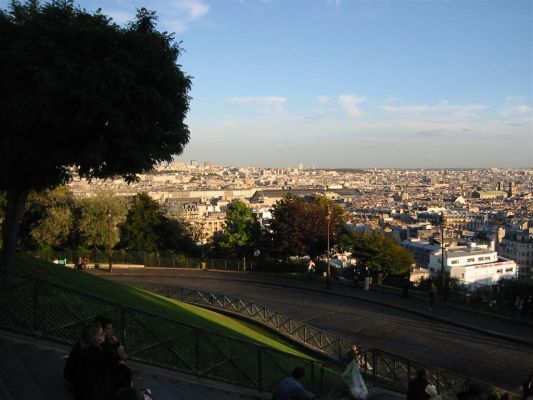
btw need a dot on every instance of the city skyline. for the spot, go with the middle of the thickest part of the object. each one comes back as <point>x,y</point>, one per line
<point>359,84</point>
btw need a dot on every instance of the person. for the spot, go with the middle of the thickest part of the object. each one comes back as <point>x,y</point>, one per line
<point>405,286</point>
<point>356,274</point>
<point>366,275</point>
<point>527,388</point>
<point>419,388</point>
<point>92,365</point>
<point>310,269</point>
<point>352,376</point>
<point>291,388</point>
<point>432,291</point>
<point>118,375</point>
<point>79,263</point>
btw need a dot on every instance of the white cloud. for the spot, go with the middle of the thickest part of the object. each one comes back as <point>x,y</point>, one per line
<point>266,103</point>
<point>323,99</point>
<point>351,103</point>
<point>443,107</point>
<point>515,110</point>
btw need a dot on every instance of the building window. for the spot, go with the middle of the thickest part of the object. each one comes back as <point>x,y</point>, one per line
<point>470,260</point>
<point>480,258</point>
<point>455,262</point>
<point>508,270</point>
<point>499,271</point>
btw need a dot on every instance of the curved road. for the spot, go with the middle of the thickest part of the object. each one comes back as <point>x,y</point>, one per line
<point>502,362</point>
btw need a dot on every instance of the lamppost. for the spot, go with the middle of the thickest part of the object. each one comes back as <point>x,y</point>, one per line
<point>442,221</point>
<point>110,242</point>
<point>328,272</point>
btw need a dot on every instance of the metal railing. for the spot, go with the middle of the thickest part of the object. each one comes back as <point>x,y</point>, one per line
<point>379,367</point>
<point>56,313</point>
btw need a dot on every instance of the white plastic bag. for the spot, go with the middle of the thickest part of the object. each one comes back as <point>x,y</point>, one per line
<point>353,379</point>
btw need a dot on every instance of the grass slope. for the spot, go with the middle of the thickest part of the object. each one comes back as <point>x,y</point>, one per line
<point>155,304</point>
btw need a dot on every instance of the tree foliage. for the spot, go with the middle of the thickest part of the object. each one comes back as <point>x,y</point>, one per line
<point>81,94</point>
<point>49,219</point>
<point>98,218</point>
<point>300,227</point>
<point>241,232</point>
<point>381,253</point>
<point>147,229</point>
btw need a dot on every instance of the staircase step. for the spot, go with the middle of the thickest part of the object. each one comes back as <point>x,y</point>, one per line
<point>17,381</point>
<point>49,383</point>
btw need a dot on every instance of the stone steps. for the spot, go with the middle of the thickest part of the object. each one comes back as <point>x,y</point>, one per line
<point>34,371</point>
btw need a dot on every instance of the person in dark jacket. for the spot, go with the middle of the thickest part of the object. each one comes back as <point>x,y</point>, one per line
<point>417,386</point>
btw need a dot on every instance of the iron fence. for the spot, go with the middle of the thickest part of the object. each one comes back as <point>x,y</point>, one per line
<point>379,367</point>
<point>34,307</point>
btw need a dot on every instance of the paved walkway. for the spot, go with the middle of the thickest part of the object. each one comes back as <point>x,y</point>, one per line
<point>504,328</point>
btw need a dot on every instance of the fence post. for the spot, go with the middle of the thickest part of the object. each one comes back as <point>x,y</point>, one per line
<point>374,367</point>
<point>225,266</point>
<point>212,261</point>
<point>259,369</point>
<point>181,294</point>
<point>123,325</point>
<point>173,261</point>
<point>197,352</point>
<point>322,378</point>
<point>35,307</point>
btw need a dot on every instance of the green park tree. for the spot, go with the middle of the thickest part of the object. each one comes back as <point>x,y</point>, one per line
<point>48,219</point>
<point>146,228</point>
<point>140,229</point>
<point>82,95</point>
<point>381,254</point>
<point>242,231</point>
<point>98,218</point>
<point>299,227</point>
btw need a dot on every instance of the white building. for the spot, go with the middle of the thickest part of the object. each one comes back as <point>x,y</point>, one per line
<point>473,264</point>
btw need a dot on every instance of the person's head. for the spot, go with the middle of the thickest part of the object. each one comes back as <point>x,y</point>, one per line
<point>93,335</point>
<point>106,324</point>
<point>353,350</point>
<point>298,373</point>
<point>422,373</point>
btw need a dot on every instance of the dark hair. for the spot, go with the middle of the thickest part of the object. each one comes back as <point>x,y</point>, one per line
<point>298,373</point>
<point>89,333</point>
<point>421,373</point>
<point>103,321</point>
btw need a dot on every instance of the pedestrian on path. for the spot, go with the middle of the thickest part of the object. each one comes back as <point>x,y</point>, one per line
<point>432,292</point>
<point>291,387</point>
<point>310,269</point>
<point>352,376</point>
<point>366,275</point>
<point>419,388</point>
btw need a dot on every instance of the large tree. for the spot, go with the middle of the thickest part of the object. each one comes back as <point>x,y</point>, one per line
<point>381,254</point>
<point>80,94</point>
<point>300,226</point>
<point>97,220</point>
<point>241,232</point>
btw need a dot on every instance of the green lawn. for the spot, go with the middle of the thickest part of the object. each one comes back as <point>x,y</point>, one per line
<point>155,304</point>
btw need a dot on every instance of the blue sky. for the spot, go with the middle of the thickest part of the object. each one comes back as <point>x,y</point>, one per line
<point>353,83</point>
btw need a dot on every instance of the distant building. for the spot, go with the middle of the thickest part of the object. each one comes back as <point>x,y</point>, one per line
<point>473,264</point>
<point>490,194</point>
<point>518,245</point>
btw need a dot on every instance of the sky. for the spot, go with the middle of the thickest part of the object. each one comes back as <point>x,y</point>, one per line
<point>352,84</point>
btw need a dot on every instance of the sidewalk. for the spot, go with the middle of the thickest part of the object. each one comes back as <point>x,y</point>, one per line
<point>496,326</point>
<point>493,325</point>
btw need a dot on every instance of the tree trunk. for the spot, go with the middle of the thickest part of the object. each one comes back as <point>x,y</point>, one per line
<point>16,202</point>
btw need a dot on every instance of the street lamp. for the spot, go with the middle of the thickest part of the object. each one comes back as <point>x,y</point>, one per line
<point>442,221</point>
<point>328,272</point>
<point>110,242</point>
